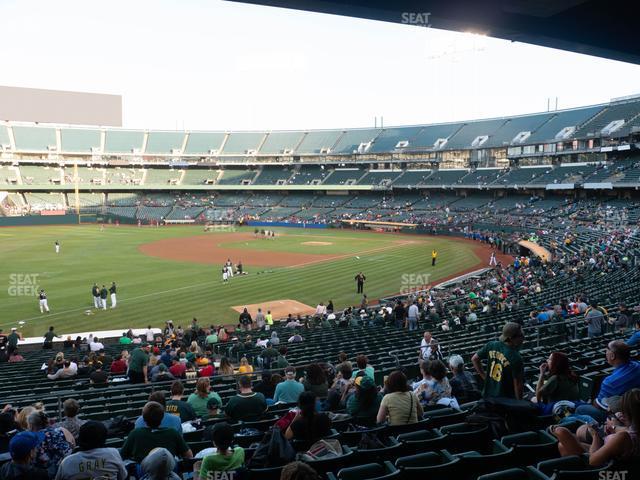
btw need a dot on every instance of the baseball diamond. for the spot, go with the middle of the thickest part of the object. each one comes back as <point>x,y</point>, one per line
<point>171,272</point>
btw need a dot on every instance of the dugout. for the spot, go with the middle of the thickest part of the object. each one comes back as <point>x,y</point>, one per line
<point>529,249</point>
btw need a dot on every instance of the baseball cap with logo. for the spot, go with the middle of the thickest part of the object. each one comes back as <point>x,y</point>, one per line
<point>21,445</point>
<point>364,382</point>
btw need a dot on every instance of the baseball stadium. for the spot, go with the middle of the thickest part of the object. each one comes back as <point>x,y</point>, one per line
<point>457,298</point>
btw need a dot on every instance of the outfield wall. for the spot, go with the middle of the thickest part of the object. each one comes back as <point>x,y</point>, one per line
<point>41,220</point>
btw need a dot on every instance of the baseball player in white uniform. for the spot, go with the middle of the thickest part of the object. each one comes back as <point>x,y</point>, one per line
<point>57,246</point>
<point>44,305</point>
<point>225,274</point>
<point>230,268</point>
<point>492,260</point>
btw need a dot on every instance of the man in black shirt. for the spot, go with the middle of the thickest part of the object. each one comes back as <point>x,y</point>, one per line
<point>245,320</point>
<point>400,313</point>
<point>360,278</point>
<point>99,377</point>
<point>247,405</point>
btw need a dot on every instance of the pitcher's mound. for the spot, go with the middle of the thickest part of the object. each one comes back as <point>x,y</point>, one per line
<point>317,244</point>
<point>279,308</point>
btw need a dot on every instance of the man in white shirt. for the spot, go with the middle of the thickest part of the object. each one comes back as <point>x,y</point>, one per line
<point>69,370</point>
<point>321,310</point>
<point>149,334</point>
<point>96,346</point>
<point>425,345</point>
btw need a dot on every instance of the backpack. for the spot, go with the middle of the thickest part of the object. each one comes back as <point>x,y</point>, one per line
<point>370,441</point>
<point>273,451</point>
<point>118,426</point>
<point>504,415</point>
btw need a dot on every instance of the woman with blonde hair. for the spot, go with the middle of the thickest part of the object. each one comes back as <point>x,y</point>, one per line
<point>199,399</point>
<point>21,420</point>
<point>223,336</point>
<point>244,366</point>
<point>225,367</point>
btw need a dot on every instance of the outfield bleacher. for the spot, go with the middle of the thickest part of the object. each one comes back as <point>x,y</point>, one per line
<point>238,176</point>
<point>309,175</point>
<point>40,175</point>
<point>123,141</point>
<point>344,176</point>
<point>80,140</point>
<point>278,143</point>
<point>158,176</point>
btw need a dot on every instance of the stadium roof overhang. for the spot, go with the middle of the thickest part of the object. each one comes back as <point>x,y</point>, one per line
<point>603,28</point>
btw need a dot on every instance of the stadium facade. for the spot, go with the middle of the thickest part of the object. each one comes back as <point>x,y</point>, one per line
<point>321,175</point>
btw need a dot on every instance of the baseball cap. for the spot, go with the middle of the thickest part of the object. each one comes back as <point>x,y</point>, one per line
<point>92,435</point>
<point>21,445</point>
<point>364,382</point>
<point>212,403</point>
<point>510,331</point>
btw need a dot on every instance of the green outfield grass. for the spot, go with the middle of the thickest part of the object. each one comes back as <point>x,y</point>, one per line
<point>152,290</point>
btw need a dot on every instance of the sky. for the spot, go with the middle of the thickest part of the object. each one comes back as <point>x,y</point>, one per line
<point>214,65</point>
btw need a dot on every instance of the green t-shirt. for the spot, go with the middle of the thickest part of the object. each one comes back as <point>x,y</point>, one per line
<point>270,353</point>
<point>368,371</point>
<point>246,407</point>
<point>12,339</point>
<point>125,340</point>
<point>199,403</point>
<point>211,339</point>
<point>141,441</point>
<point>222,463</point>
<point>559,387</point>
<point>138,360</point>
<point>181,409</point>
<point>281,362</point>
<point>504,364</point>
